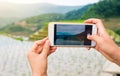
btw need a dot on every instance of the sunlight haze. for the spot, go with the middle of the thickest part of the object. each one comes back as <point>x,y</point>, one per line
<point>57,2</point>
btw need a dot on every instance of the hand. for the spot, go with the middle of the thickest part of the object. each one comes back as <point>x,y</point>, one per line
<point>104,44</point>
<point>37,57</point>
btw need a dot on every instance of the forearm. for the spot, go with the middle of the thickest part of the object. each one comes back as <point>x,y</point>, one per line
<point>40,74</point>
<point>116,56</point>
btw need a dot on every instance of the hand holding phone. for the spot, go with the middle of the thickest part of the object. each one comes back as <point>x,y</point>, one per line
<point>71,34</point>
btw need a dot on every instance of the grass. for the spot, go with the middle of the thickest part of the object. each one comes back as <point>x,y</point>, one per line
<point>112,23</point>
<point>12,36</point>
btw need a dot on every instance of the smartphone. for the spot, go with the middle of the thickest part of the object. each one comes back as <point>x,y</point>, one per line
<point>71,34</point>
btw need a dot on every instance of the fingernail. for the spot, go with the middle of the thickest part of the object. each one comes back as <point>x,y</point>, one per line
<point>88,37</point>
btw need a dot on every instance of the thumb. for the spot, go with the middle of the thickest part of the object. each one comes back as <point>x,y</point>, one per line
<point>46,48</point>
<point>95,38</point>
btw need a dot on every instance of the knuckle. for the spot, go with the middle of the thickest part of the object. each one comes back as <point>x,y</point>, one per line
<point>99,20</point>
<point>36,42</point>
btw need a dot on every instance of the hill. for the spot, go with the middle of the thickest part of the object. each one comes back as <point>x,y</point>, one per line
<point>76,14</point>
<point>28,10</point>
<point>38,24</point>
<point>5,21</point>
<point>107,10</point>
<point>30,25</point>
<point>10,12</point>
<point>103,9</point>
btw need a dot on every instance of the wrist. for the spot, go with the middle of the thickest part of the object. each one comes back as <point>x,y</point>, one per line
<point>40,74</point>
<point>116,54</point>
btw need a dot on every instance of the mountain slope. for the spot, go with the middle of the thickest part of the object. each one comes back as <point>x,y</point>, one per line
<point>76,14</point>
<point>40,22</point>
<point>13,12</point>
<point>27,10</point>
<point>4,21</point>
<point>103,9</point>
<point>30,25</point>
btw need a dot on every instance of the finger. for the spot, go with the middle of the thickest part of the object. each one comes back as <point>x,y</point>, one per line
<point>88,48</point>
<point>92,20</point>
<point>98,23</point>
<point>40,46</point>
<point>51,52</point>
<point>39,49</point>
<point>53,49</point>
<point>46,49</point>
<point>37,44</point>
<point>95,38</point>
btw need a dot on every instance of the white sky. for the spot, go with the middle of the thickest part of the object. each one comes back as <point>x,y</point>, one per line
<point>57,2</point>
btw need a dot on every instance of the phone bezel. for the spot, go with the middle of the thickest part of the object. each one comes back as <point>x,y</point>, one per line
<point>51,35</point>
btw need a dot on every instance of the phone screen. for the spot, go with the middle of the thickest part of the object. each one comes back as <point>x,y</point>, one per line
<point>71,34</point>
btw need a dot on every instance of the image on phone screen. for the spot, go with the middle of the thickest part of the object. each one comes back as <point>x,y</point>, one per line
<point>66,34</point>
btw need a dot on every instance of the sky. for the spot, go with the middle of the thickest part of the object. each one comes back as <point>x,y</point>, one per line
<point>57,2</point>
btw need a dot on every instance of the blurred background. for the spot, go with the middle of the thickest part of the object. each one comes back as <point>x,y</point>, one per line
<point>24,21</point>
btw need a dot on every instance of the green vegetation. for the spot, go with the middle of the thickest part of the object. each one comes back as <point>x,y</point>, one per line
<point>113,24</point>
<point>16,37</point>
<point>76,14</point>
<point>44,18</point>
<point>30,25</point>
<point>117,31</point>
<point>36,27</point>
<point>40,20</point>
<point>114,36</point>
<point>8,20</point>
<point>98,10</point>
<point>16,30</point>
<point>104,9</point>
<point>111,20</point>
<point>42,33</point>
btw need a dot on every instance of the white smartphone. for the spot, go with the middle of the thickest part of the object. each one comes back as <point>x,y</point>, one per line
<point>71,34</point>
